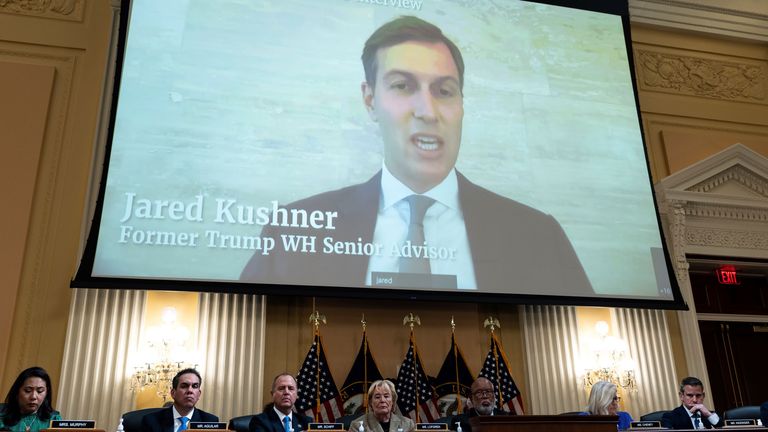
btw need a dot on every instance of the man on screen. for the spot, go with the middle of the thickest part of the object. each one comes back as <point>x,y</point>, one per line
<point>419,223</point>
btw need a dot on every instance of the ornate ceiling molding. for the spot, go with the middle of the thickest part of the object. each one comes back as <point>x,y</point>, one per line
<point>725,238</point>
<point>744,19</point>
<point>697,76</point>
<point>69,10</point>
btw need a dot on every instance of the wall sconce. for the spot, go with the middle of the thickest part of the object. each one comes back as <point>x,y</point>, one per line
<point>608,359</point>
<point>162,359</point>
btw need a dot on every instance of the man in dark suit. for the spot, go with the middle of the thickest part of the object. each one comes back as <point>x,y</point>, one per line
<point>483,399</point>
<point>280,416</point>
<point>692,414</point>
<point>419,223</point>
<point>185,392</point>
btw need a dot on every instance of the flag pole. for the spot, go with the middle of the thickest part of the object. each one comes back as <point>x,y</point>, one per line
<point>365,367</point>
<point>459,408</point>
<point>315,318</point>
<point>411,320</point>
<point>493,323</point>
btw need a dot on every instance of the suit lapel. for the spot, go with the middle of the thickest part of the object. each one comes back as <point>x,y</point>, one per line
<point>357,218</point>
<point>394,424</point>
<point>277,425</point>
<point>168,420</point>
<point>479,247</point>
<point>373,424</point>
<point>295,422</point>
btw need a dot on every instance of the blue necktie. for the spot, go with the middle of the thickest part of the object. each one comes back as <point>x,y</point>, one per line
<point>287,423</point>
<point>183,421</point>
<point>696,422</point>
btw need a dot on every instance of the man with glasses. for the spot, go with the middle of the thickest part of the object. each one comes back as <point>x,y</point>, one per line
<point>482,403</point>
<point>692,414</point>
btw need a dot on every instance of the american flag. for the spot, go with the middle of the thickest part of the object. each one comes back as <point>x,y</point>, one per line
<point>496,369</point>
<point>411,371</point>
<point>323,403</point>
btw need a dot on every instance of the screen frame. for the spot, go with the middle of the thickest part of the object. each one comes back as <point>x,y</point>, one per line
<point>84,279</point>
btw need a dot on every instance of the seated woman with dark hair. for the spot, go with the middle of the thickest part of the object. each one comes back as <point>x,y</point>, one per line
<point>603,400</point>
<point>28,403</point>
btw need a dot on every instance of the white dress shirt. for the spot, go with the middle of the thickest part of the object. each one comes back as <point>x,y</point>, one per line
<point>177,418</point>
<point>443,228</point>
<point>713,419</point>
<point>282,416</point>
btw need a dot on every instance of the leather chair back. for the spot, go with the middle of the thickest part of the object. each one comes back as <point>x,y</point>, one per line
<point>132,419</point>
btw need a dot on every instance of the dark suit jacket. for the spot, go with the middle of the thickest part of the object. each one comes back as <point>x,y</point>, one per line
<point>515,248</point>
<point>162,421</point>
<point>269,421</point>
<point>463,419</point>
<point>678,418</point>
<point>764,413</point>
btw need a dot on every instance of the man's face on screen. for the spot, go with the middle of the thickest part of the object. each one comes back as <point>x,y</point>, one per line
<point>418,104</point>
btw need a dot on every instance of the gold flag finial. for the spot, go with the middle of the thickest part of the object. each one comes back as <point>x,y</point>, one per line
<point>316,318</point>
<point>453,325</point>
<point>492,322</point>
<point>363,322</point>
<point>411,320</point>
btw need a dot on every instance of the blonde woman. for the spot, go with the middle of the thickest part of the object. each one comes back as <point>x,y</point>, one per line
<point>381,416</point>
<point>603,400</point>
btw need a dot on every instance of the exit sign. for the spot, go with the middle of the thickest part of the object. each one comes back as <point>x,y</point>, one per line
<point>726,275</point>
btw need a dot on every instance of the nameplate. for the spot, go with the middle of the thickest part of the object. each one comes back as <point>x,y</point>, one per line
<point>645,424</point>
<point>73,424</point>
<point>326,426</point>
<point>207,425</point>
<point>413,280</point>
<point>431,426</point>
<point>740,422</point>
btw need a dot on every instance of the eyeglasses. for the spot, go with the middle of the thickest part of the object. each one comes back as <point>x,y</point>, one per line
<point>483,393</point>
<point>616,398</point>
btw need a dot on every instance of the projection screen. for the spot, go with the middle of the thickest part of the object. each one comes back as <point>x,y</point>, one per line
<point>249,153</point>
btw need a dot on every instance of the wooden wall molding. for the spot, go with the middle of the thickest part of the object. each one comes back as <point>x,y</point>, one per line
<point>40,253</point>
<point>68,10</point>
<point>675,142</point>
<point>76,53</point>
